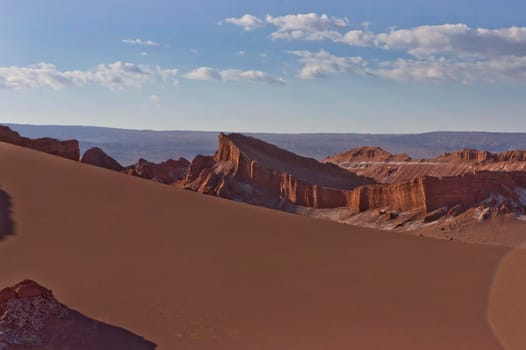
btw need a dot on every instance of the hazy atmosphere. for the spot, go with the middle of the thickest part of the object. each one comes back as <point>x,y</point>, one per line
<point>268,66</point>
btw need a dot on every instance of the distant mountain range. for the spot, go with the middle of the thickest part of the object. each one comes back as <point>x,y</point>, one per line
<point>127,146</point>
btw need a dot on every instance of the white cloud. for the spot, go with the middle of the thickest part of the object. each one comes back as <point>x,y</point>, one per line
<point>449,52</point>
<point>143,53</point>
<point>114,76</point>
<point>248,22</point>
<point>168,75</point>
<point>140,42</point>
<point>457,39</point>
<point>250,76</point>
<point>207,73</point>
<point>37,75</point>
<point>309,26</point>
<point>241,53</point>
<point>467,72</point>
<point>320,64</point>
<point>454,40</point>
<point>203,73</point>
<point>357,38</point>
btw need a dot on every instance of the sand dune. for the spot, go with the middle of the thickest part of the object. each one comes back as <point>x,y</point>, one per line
<point>188,271</point>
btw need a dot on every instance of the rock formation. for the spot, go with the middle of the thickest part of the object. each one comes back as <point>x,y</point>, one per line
<point>471,155</point>
<point>32,318</point>
<point>247,169</point>
<point>250,170</point>
<point>97,157</point>
<point>24,311</point>
<point>432,193</point>
<point>168,172</point>
<point>399,170</point>
<point>366,154</point>
<point>67,149</point>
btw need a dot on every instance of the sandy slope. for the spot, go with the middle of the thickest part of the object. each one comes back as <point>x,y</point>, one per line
<point>188,271</point>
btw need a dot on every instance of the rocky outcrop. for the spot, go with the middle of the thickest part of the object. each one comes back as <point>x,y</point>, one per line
<point>24,311</point>
<point>450,164</point>
<point>168,172</point>
<point>471,155</point>
<point>253,171</point>
<point>197,166</point>
<point>474,155</point>
<point>512,156</point>
<point>66,149</point>
<point>97,157</point>
<point>248,169</point>
<point>366,154</point>
<point>32,318</point>
<point>436,197</point>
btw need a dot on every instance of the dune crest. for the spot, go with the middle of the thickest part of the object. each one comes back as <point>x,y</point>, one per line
<point>366,186</point>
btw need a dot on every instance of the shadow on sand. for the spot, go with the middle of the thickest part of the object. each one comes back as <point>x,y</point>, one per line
<point>6,222</point>
<point>79,332</point>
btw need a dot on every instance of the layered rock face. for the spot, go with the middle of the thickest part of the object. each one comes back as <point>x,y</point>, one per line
<point>427,194</point>
<point>245,168</point>
<point>406,196</point>
<point>253,171</point>
<point>168,172</point>
<point>395,169</point>
<point>97,157</point>
<point>468,155</point>
<point>366,154</point>
<point>66,149</point>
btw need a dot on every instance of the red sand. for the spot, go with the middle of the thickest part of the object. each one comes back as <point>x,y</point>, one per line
<point>189,271</point>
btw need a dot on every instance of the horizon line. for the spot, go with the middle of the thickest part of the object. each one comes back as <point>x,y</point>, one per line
<point>268,132</point>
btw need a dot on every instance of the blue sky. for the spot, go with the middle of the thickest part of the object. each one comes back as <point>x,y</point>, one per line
<point>280,66</point>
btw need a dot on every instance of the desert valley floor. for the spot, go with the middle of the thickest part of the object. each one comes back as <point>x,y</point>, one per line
<point>188,271</point>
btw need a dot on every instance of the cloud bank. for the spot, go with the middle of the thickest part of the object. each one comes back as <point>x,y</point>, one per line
<point>255,76</point>
<point>446,52</point>
<point>113,76</point>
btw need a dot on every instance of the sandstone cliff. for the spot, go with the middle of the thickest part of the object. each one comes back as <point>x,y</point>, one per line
<point>468,155</point>
<point>67,149</point>
<point>254,171</point>
<point>248,169</point>
<point>428,194</point>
